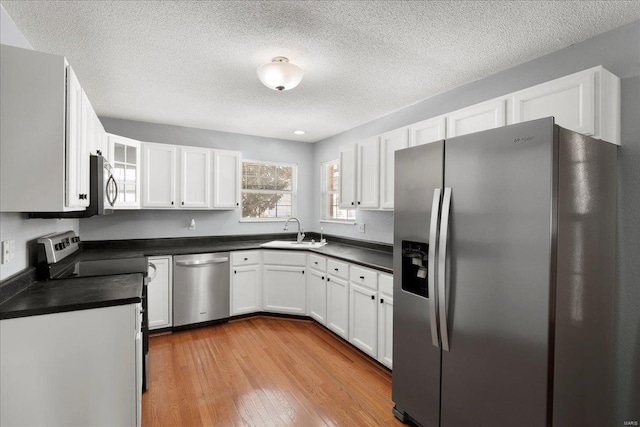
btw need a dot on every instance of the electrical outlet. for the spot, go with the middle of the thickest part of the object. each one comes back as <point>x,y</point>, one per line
<point>8,250</point>
<point>360,227</point>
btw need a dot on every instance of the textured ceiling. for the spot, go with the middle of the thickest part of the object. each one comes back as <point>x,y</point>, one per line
<point>194,63</point>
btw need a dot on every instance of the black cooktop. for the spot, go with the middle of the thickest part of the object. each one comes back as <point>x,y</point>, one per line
<point>77,267</point>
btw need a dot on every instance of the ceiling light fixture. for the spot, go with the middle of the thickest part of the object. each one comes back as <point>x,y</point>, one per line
<point>280,74</point>
<point>299,132</point>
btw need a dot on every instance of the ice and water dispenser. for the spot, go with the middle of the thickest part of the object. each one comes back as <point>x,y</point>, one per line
<point>414,267</point>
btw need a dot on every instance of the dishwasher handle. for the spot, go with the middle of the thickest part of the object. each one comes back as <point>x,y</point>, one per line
<point>203,262</point>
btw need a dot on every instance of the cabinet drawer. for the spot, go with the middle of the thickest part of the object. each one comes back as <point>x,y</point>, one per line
<point>364,277</point>
<point>245,258</point>
<point>317,262</point>
<point>385,284</point>
<point>285,258</point>
<point>337,268</point>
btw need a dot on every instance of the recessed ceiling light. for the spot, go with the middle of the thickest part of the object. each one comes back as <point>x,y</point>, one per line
<point>299,132</point>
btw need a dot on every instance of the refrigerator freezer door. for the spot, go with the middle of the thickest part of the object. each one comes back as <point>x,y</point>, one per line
<point>416,364</point>
<point>496,370</point>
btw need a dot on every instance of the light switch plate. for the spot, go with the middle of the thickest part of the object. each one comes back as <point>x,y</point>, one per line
<point>360,227</point>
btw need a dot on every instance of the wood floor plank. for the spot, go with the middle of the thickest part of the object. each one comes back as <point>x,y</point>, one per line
<point>264,371</point>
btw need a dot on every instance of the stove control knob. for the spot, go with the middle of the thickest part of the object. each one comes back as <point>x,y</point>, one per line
<point>57,246</point>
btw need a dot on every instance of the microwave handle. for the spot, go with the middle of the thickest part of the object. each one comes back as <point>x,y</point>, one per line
<point>111,183</point>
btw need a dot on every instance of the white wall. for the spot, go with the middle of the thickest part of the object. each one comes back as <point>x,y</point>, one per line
<point>16,226</point>
<point>174,223</point>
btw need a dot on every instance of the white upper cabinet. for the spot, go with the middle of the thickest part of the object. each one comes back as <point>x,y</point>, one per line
<point>348,162</point>
<point>159,180</point>
<point>390,142</point>
<point>76,147</point>
<point>226,179</point>
<point>586,102</point>
<point>124,155</point>
<point>368,176</point>
<point>195,177</point>
<point>479,117</point>
<point>427,131</point>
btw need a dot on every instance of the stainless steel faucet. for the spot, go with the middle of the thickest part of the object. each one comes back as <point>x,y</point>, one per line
<point>300,231</point>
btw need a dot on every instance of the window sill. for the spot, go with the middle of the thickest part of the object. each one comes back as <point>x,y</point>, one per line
<point>335,221</point>
<point>263,220</point>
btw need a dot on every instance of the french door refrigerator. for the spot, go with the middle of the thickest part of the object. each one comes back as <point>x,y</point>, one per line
<point>504,253</point>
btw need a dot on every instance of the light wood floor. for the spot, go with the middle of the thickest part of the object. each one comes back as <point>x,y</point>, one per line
<point>264,371</point>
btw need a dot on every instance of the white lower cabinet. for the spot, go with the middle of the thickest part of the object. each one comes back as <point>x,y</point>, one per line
<point>385,320</point>
<point>246,283</point>
<point>317,295</point>
<point>159,292</point>
<point>75,368</point>
<point>363,310</point>
<point>338,306</point>
<point>284,284</point>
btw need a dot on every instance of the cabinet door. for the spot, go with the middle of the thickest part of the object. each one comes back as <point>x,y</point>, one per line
<point>348,176</point>
<point>427,131</point>
<point>571,100</point>
<point>195,177</point>
<point>317,296</point>
<point>338,306</point>
<point>284,289</point>
<point>385,321</point>
<point>125,160</point>
<point>74,141</point>
<point>479,117</point>
<point>159,176</point>
<point>246,290</point>
<point>100,137</point>
<point>390,142</point>
<point>159,292</point>
<point>86,142</point>
<point>226,179</point>
<point>368,177</point>
<point>363,319</point>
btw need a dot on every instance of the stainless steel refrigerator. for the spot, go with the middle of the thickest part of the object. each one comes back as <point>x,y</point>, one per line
<point>504,258</point>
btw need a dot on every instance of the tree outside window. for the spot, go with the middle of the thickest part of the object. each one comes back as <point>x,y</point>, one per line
<point>331,194</point>
<point>268,190</point>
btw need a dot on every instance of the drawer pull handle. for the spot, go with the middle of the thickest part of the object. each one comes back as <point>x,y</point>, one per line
<point>328,279</point>
<point>362,277</point>
<point>315,262</point>
<point>322,277</point>
<point>302,271</point>
<point>381,300</point>
<point>246,259</point>
<point>335,269</point>
<point>373,297</point>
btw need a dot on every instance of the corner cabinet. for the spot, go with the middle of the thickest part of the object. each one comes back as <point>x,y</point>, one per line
<point>124,157</point>
<point>338,298</point>
<point>284,282</point>
<point>317,288</point>
<point>159,177</point>
<point>160,292</point>
<point>227,171</point>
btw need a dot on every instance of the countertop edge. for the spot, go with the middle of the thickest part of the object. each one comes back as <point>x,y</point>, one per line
<point>68,308</point>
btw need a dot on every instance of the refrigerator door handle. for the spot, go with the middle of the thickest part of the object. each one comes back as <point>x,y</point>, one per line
<point>442,268</point>
<point>431,279</point>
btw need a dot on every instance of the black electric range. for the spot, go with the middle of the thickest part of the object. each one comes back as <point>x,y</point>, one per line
<point>60,257</point>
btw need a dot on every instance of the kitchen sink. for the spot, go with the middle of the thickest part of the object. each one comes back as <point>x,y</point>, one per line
<point>288,244</point>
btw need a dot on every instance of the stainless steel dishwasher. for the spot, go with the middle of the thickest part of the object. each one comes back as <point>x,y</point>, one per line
<point>200,288</point>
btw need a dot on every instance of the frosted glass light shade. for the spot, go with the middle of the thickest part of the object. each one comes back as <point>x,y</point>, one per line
<point>280,74</point>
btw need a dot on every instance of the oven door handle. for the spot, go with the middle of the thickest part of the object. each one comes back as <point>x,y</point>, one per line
<point>204,262</point>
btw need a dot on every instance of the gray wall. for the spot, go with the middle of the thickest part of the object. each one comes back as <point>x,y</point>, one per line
<point>158,223</point>
<point>15,226</point>
<point>619,52</point>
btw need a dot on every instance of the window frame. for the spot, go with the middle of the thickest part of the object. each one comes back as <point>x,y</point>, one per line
<point>324,197</point>
<point>293,191</point>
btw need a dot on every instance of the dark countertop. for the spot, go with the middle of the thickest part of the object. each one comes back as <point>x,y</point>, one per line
<point>368,257</point>
<point>57,296</point>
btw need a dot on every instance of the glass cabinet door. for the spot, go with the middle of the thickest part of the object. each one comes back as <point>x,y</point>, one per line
<point>125,160</point>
